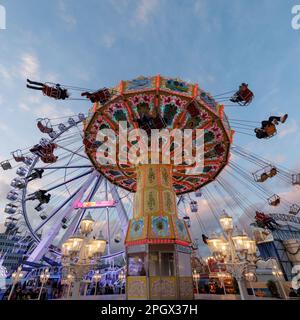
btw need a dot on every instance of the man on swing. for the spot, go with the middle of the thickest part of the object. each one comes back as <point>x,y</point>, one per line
<point>268,127</point>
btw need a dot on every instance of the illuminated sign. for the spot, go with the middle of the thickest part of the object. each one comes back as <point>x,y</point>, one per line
<point>94,204</point>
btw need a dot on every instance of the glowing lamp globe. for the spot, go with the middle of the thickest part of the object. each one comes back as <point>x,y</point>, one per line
<point>250,246</point>
<point>87,224</point>
<point>214,244</point>
<point>66,248</point>
<point>75,243</point>
<point>240,241</point>
<point>226,223</point>
<point>99,244</point>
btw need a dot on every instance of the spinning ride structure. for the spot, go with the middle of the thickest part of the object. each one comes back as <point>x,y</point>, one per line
<point>158,244</point>
<point>64,176</point>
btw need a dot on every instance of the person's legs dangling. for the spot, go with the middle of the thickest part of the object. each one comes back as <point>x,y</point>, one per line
<point>35,83</point>
<point>34,88</point>
<point>272,118</point>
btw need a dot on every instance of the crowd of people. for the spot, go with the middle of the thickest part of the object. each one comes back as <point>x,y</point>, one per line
<point>55,290</point>
<point>30,292</point>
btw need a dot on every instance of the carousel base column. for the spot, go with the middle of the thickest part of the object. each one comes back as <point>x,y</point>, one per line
<point>167,274</point>
<point>157,241</point>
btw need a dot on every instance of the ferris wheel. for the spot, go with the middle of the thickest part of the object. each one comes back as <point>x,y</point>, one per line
<point>55,187</point>
<point>58,182</point>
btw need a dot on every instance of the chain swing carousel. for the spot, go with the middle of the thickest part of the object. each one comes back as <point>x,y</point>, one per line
<point>158,244</point>
<point>74,171</point>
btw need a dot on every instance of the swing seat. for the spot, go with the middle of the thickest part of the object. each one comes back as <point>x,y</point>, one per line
<point>18,156</point>
<point>49,158</point>
<point>263,177</point>
<point>55,93</point>
<point>43,127</point>
<point>274,200</point>
<point>273,172</point>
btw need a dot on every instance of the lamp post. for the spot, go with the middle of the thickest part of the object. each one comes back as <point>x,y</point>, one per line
<point>234,251</point>
<point>196,277</point>
<point>16,277</point>
<point>44,277</point>
<point>250,277</point>
<point>277,273</point>
<point>69,281</point>
<point>80,253</point>
<point>222,275</point>
<point>96,279</point>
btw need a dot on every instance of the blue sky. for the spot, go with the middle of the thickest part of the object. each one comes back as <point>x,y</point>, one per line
<point>215,43</point>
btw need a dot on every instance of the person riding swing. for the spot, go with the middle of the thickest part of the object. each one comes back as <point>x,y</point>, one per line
<point>243,96</point>
<point>56,92</point>
<point>268,127</point>
<point>102,95</point>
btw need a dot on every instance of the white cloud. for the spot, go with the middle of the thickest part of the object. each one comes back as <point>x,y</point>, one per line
<point>29,66</point>
<point>65,15</point>
<point>292,196</point>
<point>289,128</point>
<point>51,111</point>
<point>145,10</point>
<point>24,107</point>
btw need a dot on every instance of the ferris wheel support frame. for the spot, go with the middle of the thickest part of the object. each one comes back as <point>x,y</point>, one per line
<point>79,215</point>
<point>44,244</point>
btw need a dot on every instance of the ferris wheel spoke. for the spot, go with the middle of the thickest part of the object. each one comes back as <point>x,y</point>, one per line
<point>73,152</point>
<point>65,167</point>
<point>57,210</point>
<point>68,181</point>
